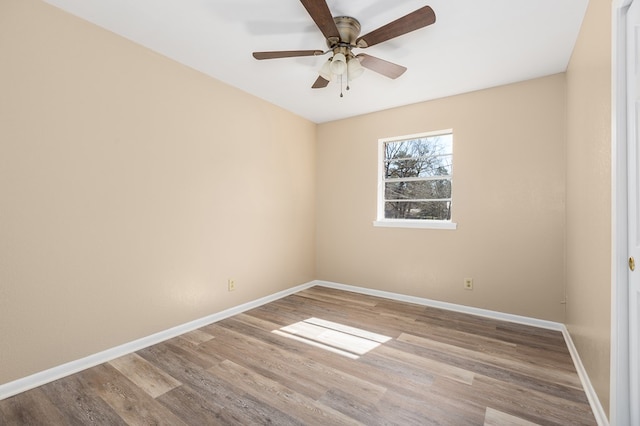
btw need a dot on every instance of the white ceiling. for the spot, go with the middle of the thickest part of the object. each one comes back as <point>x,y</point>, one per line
<point>473,45</point>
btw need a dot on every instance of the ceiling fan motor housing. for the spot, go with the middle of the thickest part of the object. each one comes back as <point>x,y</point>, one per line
<point>348,28</point>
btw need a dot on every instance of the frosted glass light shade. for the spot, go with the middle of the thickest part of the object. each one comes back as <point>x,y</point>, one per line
<point>338,64</point>
<point>355,69</point>
<point>325,71</point>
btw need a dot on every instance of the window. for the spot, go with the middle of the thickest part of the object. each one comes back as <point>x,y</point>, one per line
<point>414,188</point>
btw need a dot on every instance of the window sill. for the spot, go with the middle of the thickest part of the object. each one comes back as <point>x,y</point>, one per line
<point>425,224</point>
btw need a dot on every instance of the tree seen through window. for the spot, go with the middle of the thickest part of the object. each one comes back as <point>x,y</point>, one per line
<point>417,178</point>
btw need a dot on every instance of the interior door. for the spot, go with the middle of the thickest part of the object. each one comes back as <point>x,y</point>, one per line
<point>633,155</point>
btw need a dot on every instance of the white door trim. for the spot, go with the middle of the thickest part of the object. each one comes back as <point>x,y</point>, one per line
<point>619,410</point>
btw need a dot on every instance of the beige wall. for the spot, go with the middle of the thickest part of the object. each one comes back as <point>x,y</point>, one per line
<point>509,202</point>
<point>589,195</point>
<point>131,188</point>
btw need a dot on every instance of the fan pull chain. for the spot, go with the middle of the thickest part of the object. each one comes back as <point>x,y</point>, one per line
<point>341,95</point>
<point>347,77</point>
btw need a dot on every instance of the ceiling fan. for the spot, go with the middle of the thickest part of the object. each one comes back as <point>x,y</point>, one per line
<point>342,34</point>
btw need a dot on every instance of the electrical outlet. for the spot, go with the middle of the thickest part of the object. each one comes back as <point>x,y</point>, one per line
<point>468,283</point>
<point>231,284</point>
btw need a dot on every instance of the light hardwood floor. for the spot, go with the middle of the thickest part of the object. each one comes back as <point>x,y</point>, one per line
<point>326,357</point>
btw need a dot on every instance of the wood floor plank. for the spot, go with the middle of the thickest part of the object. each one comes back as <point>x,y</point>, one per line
<point>195,407</point>
<point>194,353</point>
<point>339,297</point>
<point>519,401</point>
<point>309,376</point>
<point>149,378</point>
<point>196,337</point>
<point>429,410</point>
<point>407,364</point>
<point>507,375</point>
<point>365,411</point>
<point>236,403</point>
<point>491,346</point>
<point>130,402</point>
<point>498,418</point>
<point>305,409</point>
<point>30,408</point>
<point>80,404</point>
<point>426,364</point>
<point>377,370</point>
<point>268,360</point>
<point>518,334</point>
<point>331,338</point>
<point>558,376</point>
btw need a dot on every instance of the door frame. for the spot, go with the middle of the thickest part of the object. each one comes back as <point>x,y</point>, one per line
<point>619,410</point>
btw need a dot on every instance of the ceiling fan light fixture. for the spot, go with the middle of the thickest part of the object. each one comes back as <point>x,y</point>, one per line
<point>325,71</point>
<point>338,64</point>
<point>354,68</point>
<point>342,34</point>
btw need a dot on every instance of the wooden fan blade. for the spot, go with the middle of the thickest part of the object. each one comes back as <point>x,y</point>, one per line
<point>386,68</point>
<point>321,15</point>
<point>286,54</point>
<point>415,20</point>
<point>320,83</point>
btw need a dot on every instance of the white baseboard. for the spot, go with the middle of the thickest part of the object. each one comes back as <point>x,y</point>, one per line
<point>55,373</point>
<point>550,325</point>
<point>60,371</point>
<point>594,402</point>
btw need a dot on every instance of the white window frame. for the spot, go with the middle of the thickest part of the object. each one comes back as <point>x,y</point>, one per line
<point>381,221</point>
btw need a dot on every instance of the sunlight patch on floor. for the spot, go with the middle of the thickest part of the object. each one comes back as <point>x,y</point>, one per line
<point>335,337</point>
